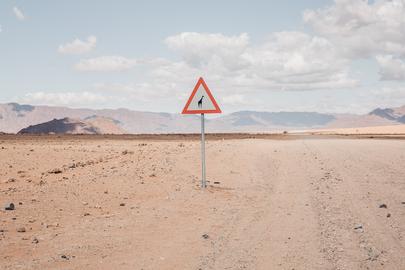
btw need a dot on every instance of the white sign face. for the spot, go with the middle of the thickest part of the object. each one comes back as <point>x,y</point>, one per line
<point>201,100</point>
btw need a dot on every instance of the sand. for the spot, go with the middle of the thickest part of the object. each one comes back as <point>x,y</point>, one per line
<point>292,203</point>
<point>376,130</point>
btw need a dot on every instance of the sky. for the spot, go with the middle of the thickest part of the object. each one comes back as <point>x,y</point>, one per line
<point>342,56</point>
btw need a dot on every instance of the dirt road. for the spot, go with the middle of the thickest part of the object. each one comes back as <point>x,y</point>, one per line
<point>271,204</point>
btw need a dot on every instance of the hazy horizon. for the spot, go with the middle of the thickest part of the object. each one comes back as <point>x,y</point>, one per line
<point>207,115</point>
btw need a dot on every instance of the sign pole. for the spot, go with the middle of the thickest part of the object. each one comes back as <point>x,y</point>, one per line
<point>201,102</point>
<point>203,180</point>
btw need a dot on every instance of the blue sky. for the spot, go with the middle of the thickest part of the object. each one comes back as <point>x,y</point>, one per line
<point>329,56</point>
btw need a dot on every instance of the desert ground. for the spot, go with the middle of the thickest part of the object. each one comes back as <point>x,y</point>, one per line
<point>273,202</point>
<point>375,130</point>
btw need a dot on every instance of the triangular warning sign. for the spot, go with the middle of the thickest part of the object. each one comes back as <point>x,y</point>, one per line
<point>201,100</point>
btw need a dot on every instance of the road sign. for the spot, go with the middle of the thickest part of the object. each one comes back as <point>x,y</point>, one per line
<point>201,101</point>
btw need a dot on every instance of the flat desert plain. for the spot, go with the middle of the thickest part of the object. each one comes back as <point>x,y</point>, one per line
<point>288,202</point>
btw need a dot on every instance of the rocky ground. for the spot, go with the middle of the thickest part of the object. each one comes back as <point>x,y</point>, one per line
<point>289,202</point>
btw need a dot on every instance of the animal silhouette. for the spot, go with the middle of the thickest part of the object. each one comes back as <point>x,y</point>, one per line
<point>200,102</point>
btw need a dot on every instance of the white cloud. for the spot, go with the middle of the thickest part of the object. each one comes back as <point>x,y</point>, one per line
<point>234,68</point>
<point>106,63</point>
<point>298,61</point>
<point>64,98</point>
<point>201,49</point>
<point>236,99</point>
<point>78,46</point>
<point>18,14</point>
<point>144,92</point>
<point>362,28</point>
<point>393,93</point>
<point>388,96</point>
<point>391,68</point>
<point>286,61</point>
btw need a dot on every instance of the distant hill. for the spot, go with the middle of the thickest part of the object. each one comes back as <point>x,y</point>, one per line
<point>15,117</point>
<point>61,126</point>
<point>287,119</point>
<point>66,125</point>
<point>392,114</point>
<point>105,125</point>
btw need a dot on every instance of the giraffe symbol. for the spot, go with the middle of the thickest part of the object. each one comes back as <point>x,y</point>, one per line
<point>200,102</point>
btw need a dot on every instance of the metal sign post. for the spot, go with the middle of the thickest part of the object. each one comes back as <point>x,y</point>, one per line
<point>203,180</point>
<point>201,102</point>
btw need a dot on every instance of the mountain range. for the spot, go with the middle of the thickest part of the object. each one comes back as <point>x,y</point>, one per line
<point>16,118</point>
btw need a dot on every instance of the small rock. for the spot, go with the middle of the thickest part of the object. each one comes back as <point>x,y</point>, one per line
<point>122,204</point>
<point>55,171</point>
<point>86,214</point>
<point>53,225</point>
<point>383,205</point>
<point>358,227</point>
<point>217,183</point>
<point>205,236</point>
<point>388,215</point>
<point>10,207</point>
<point>22,229</point>
<point>35,241</point>
<point>64,257</point>
<point>402,202</point>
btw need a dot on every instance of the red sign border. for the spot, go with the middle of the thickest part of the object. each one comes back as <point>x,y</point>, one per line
<point>216,110</point>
